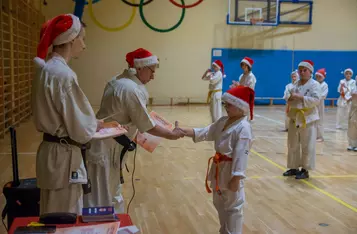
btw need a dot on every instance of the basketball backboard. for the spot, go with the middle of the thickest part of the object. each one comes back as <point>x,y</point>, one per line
<point>269,12</point>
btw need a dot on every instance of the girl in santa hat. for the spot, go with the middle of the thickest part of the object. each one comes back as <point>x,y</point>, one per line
<point>247,78</point>
<point>345,89</point>
<point>287,92</point>
<point>214,76</point>
<point>63,113</point>
<point>232,136</point>
<point>320,77</point>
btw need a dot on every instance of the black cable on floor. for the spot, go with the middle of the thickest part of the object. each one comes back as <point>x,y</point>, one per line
<point>132,182</point>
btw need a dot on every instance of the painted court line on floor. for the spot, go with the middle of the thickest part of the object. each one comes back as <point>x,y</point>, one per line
<point>308,183</point>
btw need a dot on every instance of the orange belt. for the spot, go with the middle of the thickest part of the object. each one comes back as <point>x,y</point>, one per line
<point>217,158</point>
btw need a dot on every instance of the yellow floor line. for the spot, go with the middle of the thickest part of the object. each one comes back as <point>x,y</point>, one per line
<point>308,183</point>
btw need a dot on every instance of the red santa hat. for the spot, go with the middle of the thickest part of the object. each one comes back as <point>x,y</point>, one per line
<point>219,64</point>
<point>140,58</point>
<point>248,61</point>
<point>321,72</point>
<point>241,97</point>
<point>308,64</point>
<point>348,70</point>
<point>57,31</point>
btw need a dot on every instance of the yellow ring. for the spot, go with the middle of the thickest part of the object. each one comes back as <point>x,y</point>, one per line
<point>116,29</point>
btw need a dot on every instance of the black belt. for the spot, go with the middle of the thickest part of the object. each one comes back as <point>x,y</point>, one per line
<point>50,138</point>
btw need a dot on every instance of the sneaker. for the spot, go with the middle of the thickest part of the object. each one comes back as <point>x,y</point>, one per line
<point>303,174</point>
<point>320,140</point>
<point>290,172</point>
<point>350,148</point>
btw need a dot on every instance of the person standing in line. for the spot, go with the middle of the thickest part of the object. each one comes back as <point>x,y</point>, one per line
<point>215,77</point>
<point>303,114</point>
<point>63,113</point>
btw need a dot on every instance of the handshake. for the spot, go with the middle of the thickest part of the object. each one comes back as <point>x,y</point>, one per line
<point>178,132</point>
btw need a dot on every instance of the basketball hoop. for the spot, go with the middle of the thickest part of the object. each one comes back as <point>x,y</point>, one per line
<point>255,21</point>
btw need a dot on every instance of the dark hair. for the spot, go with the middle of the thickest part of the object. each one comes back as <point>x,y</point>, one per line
<point>249,68</point>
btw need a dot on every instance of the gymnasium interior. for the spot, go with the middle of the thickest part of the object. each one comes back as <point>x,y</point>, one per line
<point>166,188</point>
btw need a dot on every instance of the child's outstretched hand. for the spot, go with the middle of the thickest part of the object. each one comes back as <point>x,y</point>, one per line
<point>178,132</point>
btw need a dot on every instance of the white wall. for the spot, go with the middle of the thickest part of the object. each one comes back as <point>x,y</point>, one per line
<point>185,52</point>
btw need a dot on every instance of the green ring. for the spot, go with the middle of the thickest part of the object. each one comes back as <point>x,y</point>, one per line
<point>141,11</point>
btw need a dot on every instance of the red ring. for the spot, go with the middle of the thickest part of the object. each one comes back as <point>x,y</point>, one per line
<point>186,6</point>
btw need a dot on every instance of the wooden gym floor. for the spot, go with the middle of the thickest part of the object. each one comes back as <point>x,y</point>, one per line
<point>170,193</point>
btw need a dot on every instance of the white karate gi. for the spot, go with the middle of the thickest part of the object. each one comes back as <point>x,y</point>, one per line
<point>215,94</point>
<point>61,109</point>
<point>343,107</point>
<point>352,124</point>
<point>302,139</point>
<point>288,88</point>
<point>321,109</point>
<point>248,80</point>
<point>126,96</point>
<point>234,142</point>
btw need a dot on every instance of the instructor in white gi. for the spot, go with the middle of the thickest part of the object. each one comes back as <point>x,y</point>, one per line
<point>63,113</point>
<point>126,97</point>
<point>303,114</point>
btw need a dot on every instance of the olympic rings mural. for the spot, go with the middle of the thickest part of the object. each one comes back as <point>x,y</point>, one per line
<point>80,4</point>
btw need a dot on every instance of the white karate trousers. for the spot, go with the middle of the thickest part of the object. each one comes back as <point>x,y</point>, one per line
<point>302,146</point>
<point>229,206</point>
<point>287,119</point>
<point>342,115</point>
<point>320,122</point>
<point>115,185</point>
<point>100,179</point>
<point>216,106</point>
<point>69,199</point>
<point>352,127</point>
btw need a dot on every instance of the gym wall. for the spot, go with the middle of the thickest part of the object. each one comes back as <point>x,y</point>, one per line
<point>185,53</point>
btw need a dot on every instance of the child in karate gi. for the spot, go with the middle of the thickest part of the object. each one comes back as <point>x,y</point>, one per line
<point>320,77</point>
<point>352,124</point>
<point>232,136</point>
<point>214,97</point>
<point>288,88</point>
<point>303,114</point>
<point>345,89</point>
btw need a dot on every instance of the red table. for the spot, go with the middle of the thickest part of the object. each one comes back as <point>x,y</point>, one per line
<point>125,220</point>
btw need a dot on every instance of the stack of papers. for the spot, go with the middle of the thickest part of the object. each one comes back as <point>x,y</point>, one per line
<point>110,130</point>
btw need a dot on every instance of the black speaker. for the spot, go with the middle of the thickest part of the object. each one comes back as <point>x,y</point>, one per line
<point>22,196</point>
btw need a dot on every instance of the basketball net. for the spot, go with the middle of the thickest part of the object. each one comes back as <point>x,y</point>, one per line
<point>255,21</point>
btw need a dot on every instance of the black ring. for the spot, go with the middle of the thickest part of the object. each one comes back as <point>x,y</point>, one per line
<point>136,5</point>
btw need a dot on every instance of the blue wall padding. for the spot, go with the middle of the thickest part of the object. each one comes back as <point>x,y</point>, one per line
<point>272,68</point>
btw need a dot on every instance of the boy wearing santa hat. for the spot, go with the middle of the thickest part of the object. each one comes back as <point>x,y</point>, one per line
<point>345,88</point>
<point>320,77</point>
<point>124,98</point>
<point>287,92</point>
<point>303,114</point>
<point>63,113</point>
<point>214,97</point>
<point>232,136</point>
